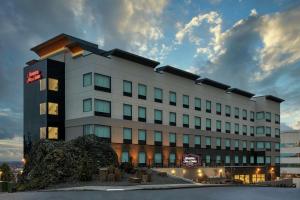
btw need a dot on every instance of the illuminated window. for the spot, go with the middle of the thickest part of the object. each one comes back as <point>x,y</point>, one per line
<point>42,108</point>
<point>43,133</point>
<point>52,108</point>
<point>42,84</point>
<point>52,133</point>
<point>53,84</point>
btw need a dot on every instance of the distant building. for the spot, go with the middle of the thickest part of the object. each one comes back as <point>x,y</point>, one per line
<point>151,115</point>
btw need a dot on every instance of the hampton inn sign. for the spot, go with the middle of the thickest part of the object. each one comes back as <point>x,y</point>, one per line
<point>33,76</point>
<point>191,160</point>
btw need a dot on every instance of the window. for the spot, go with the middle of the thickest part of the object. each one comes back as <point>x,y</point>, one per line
<point>208,106</point>
<point>218,126</point>
<point>207,142</point>
<point>227,127</point>
<point>142,136</point>
<point>43,84</point>
<point>218,143</point>
<point>186,140</point>
<point>185,101</point>
<point>244,145</point>
<point>260,131</point>
<point>244,159</point>
<point>87,105</point>
<point>252,130</point>
<point>236,112</point>
<point>157,116</point>
<point>102,108</point>
<point>277,146</point>
<point>227,111</point>
<point>197,103</point>
<point>197,123</point>
<point>277,132</point>
<point>172,119</point>
<point>142,158</point>
<point>53,84</point>
<point>88,129</point>
<point>251,159</point>
<point>127,88</point>
<point>158,95</point>
<point>185,121</point>
<point>102,131</point>
<point>277,119</point>
<point>236,128</point>
<point>102,83</point>
<point>142,114</point>
<point>197,139</point>
<point>172,98</point>
<point>260,115</point>
<point>251,116</point>
<point>53,133</point>
<point>87,79</point>
<point>157,158</point>
<point>227,159</point>
<point>52,108</point>
<point>208,124</point>
<point>125,157</point>
<point>268,131</point>
<point>277,160</point>
<point>218,109</point>
<point>268,159</point>
<point>268,116</point>
<point>142,91</point>
<point>251,145</point>
<point>43,133</point>
<point>207,159</point>
<point>157,137</point>
<point>227,143</point>
<point>260,145</point>
<point>236,159</point>
<point>172,158</point>
<point>268,146</point>
<point>236,144</point>
<point>172,139</point>
<point>260,160</point>
<point>244,129</point>
<point>43,108</point>
<point>127,135</point>
<point>218,159</point>
<point>244,113</point>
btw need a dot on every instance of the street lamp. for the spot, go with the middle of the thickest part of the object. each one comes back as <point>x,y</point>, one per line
<point>23,161</point>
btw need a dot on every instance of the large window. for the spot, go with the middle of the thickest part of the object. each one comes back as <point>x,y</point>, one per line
<point>277,132</point>
<point>172,119</point>
<point>127,88</point>
<point>197,123</point>
<point>268,131</point>
<point>172,158</point>
<point>208,124</point>
<point>227,143</point>
<point>158,116</point>
<point>227,127</point>
<point>186,140</point>
<point>52,108</point>
<point>218,126</point>
<point>218,143</point>
<point>43,108</point>
<point>208,106</point>
<point>197,139</point>
<point>172,98</point>
<point>157,158</point>
<point>185,120</point>
<point>268,116</point>
<point>197,103</point>
<point>218,109</point>
<point>53,84</point>
<point>87,79</point>
<point>260,115</point>
<point>158,137</point>
<point>102,108</point>
<point>227,159</point>
<point>236,128</point>
<point>236,112</point>
<point>208,142</point>
<point>244,113</point>
<point>244,143</point>
<point>260,160</point>
<point>142,136</point>
<point>125,157</point>
<point>252,130</point>
<point>185,101</point>
<point>53,133</point>
<point>142,91</point>
<point>172,139</point>
<point>102,131</point>
<point>87,105</point>
<point>260,145</point>
<point>127,135</point>
<point>142,114</point>
<point>277,119</point>
<point>88,129</point>
<point>142,158</point>
<point>227,111</point>
<point>236,144</point>
<point>252,146</point>
<point>260,131</point>
<point>244,129</point>
<point>252,116</point>
<point>158,95</point>
<point>102,82</point>
<point>268,146</point>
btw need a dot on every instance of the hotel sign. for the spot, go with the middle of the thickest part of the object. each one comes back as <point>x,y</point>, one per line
<point>33,76</point>
<point>190,160</point>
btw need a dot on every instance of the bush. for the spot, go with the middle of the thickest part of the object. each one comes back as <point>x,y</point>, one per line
<point>127,167</point>
<point>7,174</point>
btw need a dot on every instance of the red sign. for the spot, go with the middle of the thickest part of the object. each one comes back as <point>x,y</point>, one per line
<point>33,76</point>
<point>190,160</point>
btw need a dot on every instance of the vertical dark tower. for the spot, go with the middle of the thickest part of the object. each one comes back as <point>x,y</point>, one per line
<point>44,102</point>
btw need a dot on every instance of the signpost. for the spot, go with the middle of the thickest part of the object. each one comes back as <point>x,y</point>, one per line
<point>191,160</point>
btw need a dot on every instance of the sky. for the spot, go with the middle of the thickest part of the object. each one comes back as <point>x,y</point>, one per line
<point>250,44</point>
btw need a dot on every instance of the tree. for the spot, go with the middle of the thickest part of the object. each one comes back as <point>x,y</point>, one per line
<point>6,174</point>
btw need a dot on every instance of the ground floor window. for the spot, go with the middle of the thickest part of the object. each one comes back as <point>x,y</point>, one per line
<point>157,158</point>
<point>142,158</point>
<point>102,131</point>
<point>125,157</point>
<point>52,133</point>
<point>172,158</point>
<point>244,178</point>
<point>227,159</point>
<point>207,159</point>
<point>258,178</point>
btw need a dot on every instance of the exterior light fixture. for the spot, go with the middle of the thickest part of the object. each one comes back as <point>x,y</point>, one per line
<point>184,171</point>
<point>23,161</point>
<point>173,171</point>
<point>199,171</point>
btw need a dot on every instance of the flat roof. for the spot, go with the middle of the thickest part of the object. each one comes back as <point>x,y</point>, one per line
<point>240,92</point>
<point>273,98</point>
<point>178,72</point>
<point>132,57</point>
<point>213,83</point>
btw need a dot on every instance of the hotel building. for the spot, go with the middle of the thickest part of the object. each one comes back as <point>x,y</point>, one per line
<point>152,115</point>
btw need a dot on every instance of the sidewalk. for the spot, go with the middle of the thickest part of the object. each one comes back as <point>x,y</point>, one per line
<point>138,187</point>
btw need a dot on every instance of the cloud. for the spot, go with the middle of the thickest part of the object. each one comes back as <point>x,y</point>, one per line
<point>11,149</point>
